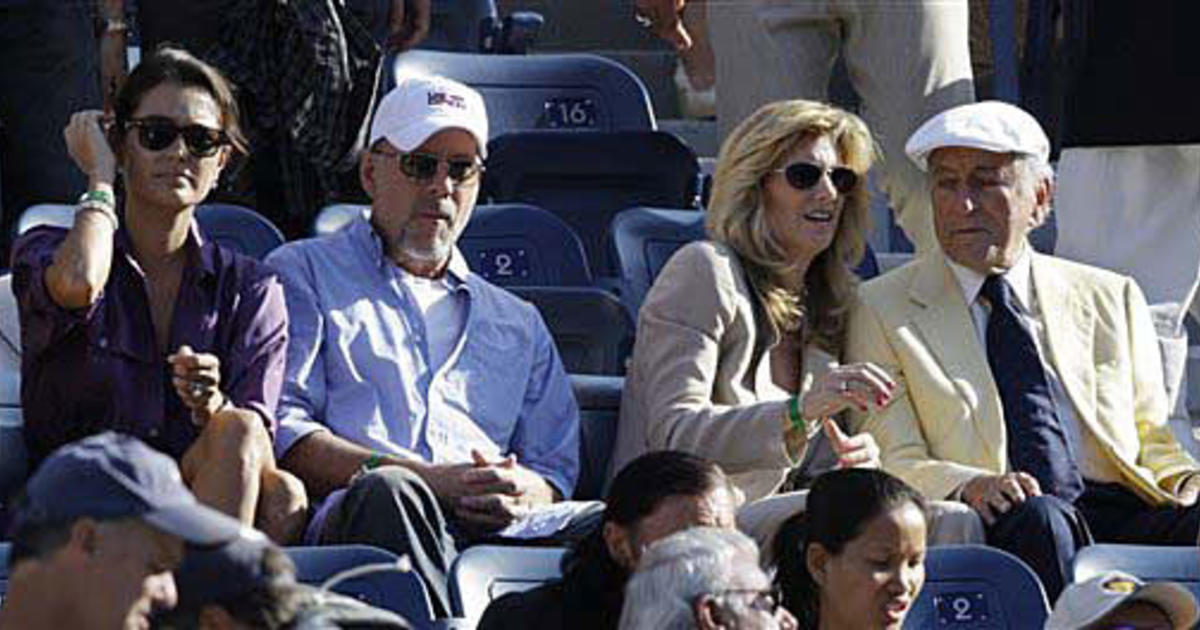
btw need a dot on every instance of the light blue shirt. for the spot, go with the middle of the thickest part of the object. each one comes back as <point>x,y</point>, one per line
<point>358,364</point>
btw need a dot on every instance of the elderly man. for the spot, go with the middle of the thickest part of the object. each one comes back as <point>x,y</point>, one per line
<point>97,533</point>
<point>1033,386</point>
<point>1119,600</point>
<point>438,399</point>
<point>705,578</point>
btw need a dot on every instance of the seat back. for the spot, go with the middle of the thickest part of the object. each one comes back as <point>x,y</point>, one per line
<point>5,551</point>
<point>483,573</point>
<point>556,92</point>
<point>13,456</point>
<point>336,216</point>
<point>592,329</point>
<point>239,229</point>
<point>1151,563</point>
<point>522,245</point>
<point>644,239</point>
<point>234,227</point>
<point>587,178</point>
<point>973,586</point>
<point>599,399</point>
<point>397,590</point>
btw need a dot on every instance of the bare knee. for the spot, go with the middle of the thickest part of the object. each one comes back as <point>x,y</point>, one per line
<point>282,507</point>
<point>238,438</point>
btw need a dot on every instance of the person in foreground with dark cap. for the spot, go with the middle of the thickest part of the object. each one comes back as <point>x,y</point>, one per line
<point>1032,386</point>
<point>101,525</point>
<point>1115,600</point>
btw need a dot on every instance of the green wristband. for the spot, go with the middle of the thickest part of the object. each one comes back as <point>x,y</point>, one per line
<point>98,196</point>
<point>794,415</point>
<point>373,462</point>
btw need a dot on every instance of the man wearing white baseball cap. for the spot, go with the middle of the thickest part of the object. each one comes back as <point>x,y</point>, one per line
<point>1114,600</point>
<point>1033,386</point>
<point>435,399</point>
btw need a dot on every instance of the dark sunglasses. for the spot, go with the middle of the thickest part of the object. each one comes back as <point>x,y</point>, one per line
<point>423,167</point>
<point>802,176</point>
<point>156,133</point>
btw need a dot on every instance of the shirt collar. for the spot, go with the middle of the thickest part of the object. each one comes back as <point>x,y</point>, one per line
<point>197,248</point>
<point>363,233</point>
<point>1017,276</point>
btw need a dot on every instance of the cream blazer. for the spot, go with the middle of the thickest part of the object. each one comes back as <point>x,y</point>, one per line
<point>948,426</point>
<point>700,377</point>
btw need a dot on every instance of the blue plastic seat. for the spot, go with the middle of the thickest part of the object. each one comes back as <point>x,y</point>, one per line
<point>523,245</point>
<point>977,587</point>
<point>14,460</point>
<point>483,573</point>
<point>1149,562</point>
<point>592,329</point>
<point>599,399</point>
<point>239,229</point>
<point>235,227</point>
<point>587,178</point>
<point>557,92</point>
<point>336,216</point>
<point>399,591</point>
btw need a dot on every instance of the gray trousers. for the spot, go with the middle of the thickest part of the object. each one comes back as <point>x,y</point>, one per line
<point>394,509</point>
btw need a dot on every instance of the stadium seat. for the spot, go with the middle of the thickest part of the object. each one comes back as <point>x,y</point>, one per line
<point>599,399</point>
<point>239,229</point>
<point>592,329</point>
<point>13,457</point>
<point>522,245</point>
<point>587,178</point>
<point>392,588</point>
<point>1152,563</point>
<point>336,216</point>
<point>559,92</point>
<point>483,573</point>
<point>973,586</point>
<point>5,550</point>
<point>235,227</point>
<point>644,239</point>
<point>57,214</point>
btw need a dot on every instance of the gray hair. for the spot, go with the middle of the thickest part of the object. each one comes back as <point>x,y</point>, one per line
<point>679,568</point>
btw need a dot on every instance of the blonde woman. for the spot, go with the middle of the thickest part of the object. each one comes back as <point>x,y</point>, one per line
<point>738,341</point>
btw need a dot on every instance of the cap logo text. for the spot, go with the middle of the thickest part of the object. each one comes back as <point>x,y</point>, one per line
<point>451,100</point>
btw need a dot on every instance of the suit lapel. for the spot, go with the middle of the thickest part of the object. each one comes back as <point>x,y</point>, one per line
<point>1069,326</point>
<point>941,315</point>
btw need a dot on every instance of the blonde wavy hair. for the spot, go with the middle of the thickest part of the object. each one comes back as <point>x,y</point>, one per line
<point>737,217</point>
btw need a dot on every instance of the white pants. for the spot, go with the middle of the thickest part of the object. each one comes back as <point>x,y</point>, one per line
<point>1136,210</point>
<point>908,60</point>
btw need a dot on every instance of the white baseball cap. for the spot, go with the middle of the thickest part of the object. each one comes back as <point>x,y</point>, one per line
<point>991,125</point>
<point>420,106</point>
<point>1087,602</point>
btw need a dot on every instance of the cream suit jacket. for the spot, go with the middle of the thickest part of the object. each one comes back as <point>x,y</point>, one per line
<point>948,426</point>
<point>700,377</point>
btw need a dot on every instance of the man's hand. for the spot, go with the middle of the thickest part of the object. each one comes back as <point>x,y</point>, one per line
<point>858,451</point>
<point>197,380</point>
<point>666,20</point>
<point>408,24</point>
<point>993,495</point>
<point>1189,490</point>
<point>500,492</point>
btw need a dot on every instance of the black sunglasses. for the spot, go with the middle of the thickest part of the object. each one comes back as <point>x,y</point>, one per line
<point>803,175</point>
<point>156,133</point>
<point>423,167</point>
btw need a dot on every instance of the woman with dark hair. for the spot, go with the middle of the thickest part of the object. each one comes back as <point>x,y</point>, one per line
<point>131,321</point>
<point>855,559</point>
<point>654,496</point>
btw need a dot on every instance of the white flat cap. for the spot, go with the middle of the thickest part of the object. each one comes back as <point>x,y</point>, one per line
<point>991,125</point>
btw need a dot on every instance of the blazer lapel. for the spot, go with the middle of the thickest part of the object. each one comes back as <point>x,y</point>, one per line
<point>1070,337</point>
<point>941,315</point>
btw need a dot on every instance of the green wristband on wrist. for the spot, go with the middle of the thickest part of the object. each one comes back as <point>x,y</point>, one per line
<point>794,415</point>
<point>98,196</point>
<point>374,461</point>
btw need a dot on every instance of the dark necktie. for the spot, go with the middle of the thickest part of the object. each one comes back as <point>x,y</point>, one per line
<point>1037,441</point>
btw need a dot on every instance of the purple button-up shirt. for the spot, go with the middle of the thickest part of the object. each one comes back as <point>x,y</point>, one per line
<point>96,368</point>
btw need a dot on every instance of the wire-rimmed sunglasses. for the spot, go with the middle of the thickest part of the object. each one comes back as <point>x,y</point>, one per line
<point>423,167</point>
<point>156,133</point>
<point>805,175</point>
